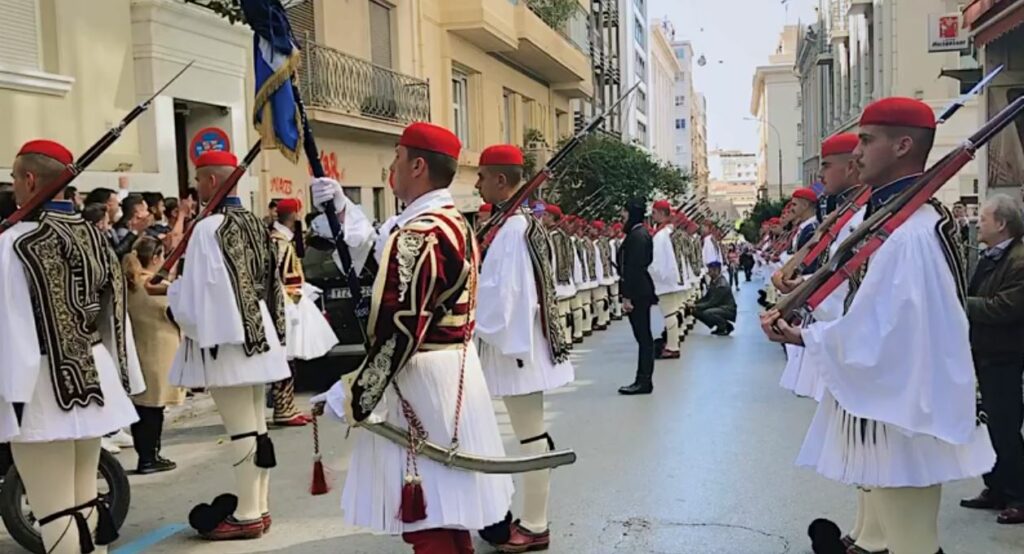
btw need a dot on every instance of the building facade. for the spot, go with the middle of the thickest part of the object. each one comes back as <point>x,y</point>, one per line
<point>665,70</point>
<point>700,170</point>
<point>815,79</point>
<point>734,167</point>
<point>682,102</point>
<point>776,103</point>
<point>634,62</point>
<point>742,196</point>
<point>870,49</point>
<point>605,41</point>
<point>70,72</point>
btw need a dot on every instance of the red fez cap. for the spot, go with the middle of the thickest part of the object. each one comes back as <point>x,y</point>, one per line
<point>662,205</point>
<point>774,221</point>
<point>216,157</point>
<point>599,225</point>
<point>899,112</point>
<point>502,154</point>
<point>432,138</point>
<point>843,143</point>
<point>805,194</point>
<point>617,225</point>
<point>553,210</point>
<point>289,206</point>
<point>47,148</point>
<point>485,208</point>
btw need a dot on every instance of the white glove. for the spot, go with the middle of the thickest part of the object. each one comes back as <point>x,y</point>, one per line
<point>325,189</point>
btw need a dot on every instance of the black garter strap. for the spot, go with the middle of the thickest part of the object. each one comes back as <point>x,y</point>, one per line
<point>543,436</point>
<point>265,457</point>
<point>106,531</point>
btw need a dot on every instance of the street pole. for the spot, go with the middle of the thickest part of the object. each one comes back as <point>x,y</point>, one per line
<point>780,169</point>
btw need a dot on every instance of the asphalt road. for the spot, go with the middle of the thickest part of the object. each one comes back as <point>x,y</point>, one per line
<point>703,466</point>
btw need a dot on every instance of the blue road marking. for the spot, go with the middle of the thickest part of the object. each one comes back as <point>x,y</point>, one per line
<point>139,545</point>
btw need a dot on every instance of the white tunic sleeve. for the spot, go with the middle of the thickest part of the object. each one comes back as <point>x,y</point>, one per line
<point>901,354</point>
<point>507,293</point>
<point>19,342</point>
<point>663,269</point>
<point>598,263</point>
<point>577,267</point>
<point>202,300</point>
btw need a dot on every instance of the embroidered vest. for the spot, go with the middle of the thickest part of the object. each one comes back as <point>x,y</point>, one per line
<point>540,254</point>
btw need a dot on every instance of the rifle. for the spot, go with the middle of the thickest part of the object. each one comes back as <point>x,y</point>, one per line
<point>825,234</point>
<point>214,203</point>
<point>71,171</point>
<point>490,227</point>
<point>870,235</point>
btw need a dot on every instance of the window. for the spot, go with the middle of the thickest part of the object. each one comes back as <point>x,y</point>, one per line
<point>680,100</point>
<point>641,66</point>
<point>640,4</point>
<point>19,39</point>
<point>641,133</point>
<point>355,194</point>
<point>460,105</point>
<point>681,53</point>
<point>681,123</point>
<point>641,101</point>
<point>506,121</point>
<point>639,32</point>
<point>378,204</point>
<point>380,34</point>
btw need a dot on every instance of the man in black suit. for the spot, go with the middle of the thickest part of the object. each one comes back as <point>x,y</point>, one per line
<point>638,295</point>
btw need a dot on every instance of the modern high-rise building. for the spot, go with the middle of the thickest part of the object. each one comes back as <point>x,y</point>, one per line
<point>666,113</point>
<point>605,41</point>
<point>682,100</point>
<point>634,61</point>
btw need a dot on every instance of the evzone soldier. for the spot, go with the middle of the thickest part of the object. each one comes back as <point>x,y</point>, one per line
<point>522,346</point>
<point>483,214</point>
<point>681,229</point>
<point>69,356</point>
<point>804,203</point>
<point>576,304</point>
<point>710,250</point>
<point>614,242</point>
<point>840,177</point>
<point>308,335</point>
<point>586,281</point>
<point>229,305</point>
<point>422,372</point>
<point>664,272</point>
<point>562,259</point>
<point>603,266</point>
<point>900,351</point>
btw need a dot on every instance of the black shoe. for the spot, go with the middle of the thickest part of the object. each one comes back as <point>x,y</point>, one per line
<point>636,388</point>
<point>157,465</point>
<point>987,500</point>
<point>723,331</point>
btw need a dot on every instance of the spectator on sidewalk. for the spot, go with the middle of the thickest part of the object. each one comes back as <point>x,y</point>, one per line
<point>733,259</point>
<point>156,339</point>
<point>747,262</point>
<point>717,309</point>
<point>159,227</point>
<point>637,288</point>
<point>135,219</point>
<point>995,308</point>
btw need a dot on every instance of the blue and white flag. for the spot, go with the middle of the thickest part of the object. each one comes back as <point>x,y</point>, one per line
<point>276,114</point>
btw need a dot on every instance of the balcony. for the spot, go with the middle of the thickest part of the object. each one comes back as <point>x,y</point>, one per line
<point>557,52</point>
<point>861,7</point>
<point>342,89</point>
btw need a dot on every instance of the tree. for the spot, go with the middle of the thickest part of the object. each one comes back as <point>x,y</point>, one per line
<point>603,174</point>
<point>229,9</point>
<point>762,211</point>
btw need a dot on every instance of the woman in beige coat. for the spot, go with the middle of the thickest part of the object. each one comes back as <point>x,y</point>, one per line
<point>156,339</point>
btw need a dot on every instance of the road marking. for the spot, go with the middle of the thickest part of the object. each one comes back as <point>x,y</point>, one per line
<point>140,544</point>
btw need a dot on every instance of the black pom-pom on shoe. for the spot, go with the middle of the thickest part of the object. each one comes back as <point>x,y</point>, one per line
<point>826,538</point>
<point>206,517</point>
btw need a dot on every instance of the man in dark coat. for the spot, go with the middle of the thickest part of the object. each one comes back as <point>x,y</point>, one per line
<point>995,308</point>
<point>638,295</point>
<point>717,309</point>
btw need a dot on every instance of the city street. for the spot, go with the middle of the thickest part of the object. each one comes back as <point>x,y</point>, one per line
<point>704,466</point>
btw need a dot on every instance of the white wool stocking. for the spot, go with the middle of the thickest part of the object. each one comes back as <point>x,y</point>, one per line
<point>870,536</point>
<point>58,476</point>
<point>242,409</point>
<point>909,518</point>
<point>526,414</point>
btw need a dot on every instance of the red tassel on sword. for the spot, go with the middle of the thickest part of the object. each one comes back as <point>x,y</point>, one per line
<point>319,486</point>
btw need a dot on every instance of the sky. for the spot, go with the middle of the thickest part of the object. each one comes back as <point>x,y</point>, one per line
<point>735,36</point>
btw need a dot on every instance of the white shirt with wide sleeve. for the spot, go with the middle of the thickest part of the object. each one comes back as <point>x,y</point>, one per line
<point>900,358</point>
<point>203,304</point>
<point>663,269</point>
<point>514,352</point>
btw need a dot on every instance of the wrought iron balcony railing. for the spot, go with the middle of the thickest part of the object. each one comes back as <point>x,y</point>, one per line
<point>334,80</point>
<point>576,28</point>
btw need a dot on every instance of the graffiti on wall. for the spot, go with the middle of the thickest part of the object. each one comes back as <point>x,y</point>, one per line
<point>330,162</point>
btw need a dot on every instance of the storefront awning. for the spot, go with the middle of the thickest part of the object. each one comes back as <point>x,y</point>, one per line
<point>991,19</point>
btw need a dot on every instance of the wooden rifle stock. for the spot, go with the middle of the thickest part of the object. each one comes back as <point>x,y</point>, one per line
<point>869,236</point>
<point>71,171</point>
<point>825,234</point>
<point>212,206</point>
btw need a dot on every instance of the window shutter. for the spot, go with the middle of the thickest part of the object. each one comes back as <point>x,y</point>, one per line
<point>380,34</point>
<point>19,34</point>
<point>303,21</point>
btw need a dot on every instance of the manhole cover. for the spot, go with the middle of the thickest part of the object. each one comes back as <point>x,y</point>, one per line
<point>668,537</point>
